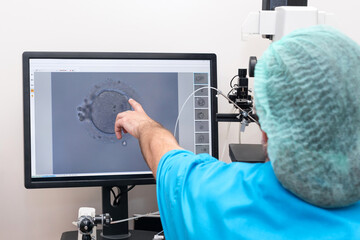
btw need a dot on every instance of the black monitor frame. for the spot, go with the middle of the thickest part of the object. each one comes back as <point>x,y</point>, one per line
<point>114,180</point>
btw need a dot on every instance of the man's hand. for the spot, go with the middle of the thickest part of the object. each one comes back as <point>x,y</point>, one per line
<point>154,140</point>
<point>133,121</point>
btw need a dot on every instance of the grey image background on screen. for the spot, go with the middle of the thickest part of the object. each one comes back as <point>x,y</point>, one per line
<point>185,131</point>
<point>74,151</point>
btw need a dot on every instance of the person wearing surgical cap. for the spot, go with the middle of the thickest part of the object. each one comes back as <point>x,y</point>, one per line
<point>307,97</point>
<point>307,90</point>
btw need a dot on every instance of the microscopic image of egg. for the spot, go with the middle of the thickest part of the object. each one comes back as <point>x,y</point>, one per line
<point>99,109</point>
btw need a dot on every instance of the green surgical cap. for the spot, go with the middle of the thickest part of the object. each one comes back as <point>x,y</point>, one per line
<point>307,96</point>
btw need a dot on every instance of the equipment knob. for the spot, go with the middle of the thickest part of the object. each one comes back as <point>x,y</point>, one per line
<point>252,64</point>
<point>242,72</point>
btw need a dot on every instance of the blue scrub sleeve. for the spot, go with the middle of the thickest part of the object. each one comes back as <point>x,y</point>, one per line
<point>184,183</point>
<point>173,169</point>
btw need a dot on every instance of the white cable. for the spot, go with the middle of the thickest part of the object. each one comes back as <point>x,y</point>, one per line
<point>137,217</point>
<point>219,92</point>
<point>187,99</point>
<point>158,236</point>
<point>160,232</point>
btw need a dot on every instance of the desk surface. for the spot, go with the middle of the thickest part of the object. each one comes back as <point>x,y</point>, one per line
<point>251,153</point>
<point>135,235</point>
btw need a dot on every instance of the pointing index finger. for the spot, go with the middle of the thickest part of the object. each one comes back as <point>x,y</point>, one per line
<point>135,105</point>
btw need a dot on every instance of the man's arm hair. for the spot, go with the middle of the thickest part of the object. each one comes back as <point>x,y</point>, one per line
<point>154,142</point>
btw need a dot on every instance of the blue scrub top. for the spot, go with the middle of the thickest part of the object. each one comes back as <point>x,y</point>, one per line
<point>200,197</point>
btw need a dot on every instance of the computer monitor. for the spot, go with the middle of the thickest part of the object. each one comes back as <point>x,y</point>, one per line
<point>71,101</point>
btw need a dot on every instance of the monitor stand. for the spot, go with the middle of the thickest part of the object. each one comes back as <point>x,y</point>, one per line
<point>121,230</point>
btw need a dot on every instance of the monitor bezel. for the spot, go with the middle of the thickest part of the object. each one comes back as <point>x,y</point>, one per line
<point>111,180</point>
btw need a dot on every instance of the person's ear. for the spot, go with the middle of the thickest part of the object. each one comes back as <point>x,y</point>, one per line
<point>264,142</point>
<point>264,139</point>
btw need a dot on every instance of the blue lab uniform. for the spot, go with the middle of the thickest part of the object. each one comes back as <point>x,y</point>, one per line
<point>200,197</point>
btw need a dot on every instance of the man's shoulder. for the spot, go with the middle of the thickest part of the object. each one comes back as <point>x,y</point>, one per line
<point>203,173</point>
<point>204,162</point>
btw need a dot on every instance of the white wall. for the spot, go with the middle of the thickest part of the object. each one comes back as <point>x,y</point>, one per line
<point>112,25</point>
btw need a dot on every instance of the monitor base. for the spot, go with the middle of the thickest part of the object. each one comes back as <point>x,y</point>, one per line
<point>135,235</point>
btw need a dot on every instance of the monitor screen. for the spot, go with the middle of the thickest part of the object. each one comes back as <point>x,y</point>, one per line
<point>71,101</point>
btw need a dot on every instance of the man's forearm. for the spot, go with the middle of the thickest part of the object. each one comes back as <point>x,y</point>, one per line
<point>154,142</point>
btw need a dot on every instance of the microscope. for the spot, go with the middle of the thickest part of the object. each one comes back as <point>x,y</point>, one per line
<point>276,19</point>
<point>280,17</point>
